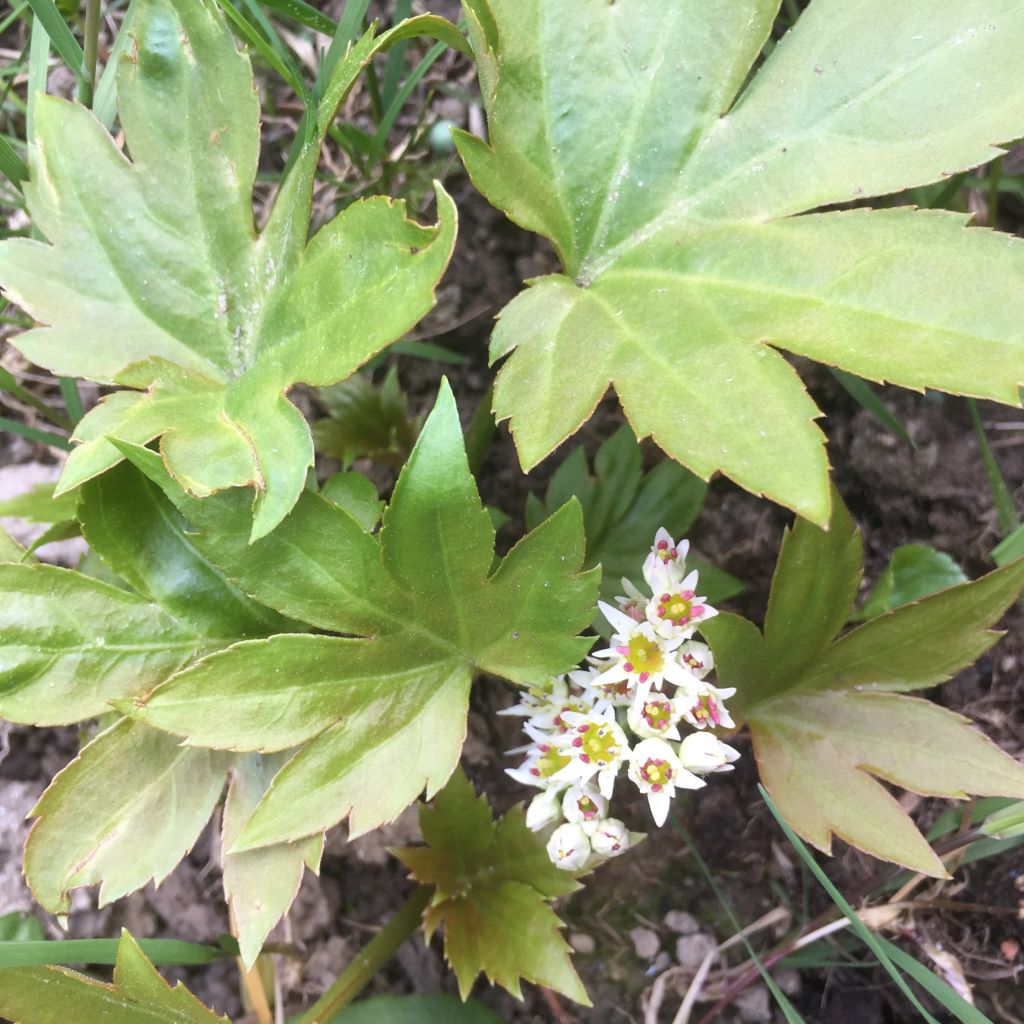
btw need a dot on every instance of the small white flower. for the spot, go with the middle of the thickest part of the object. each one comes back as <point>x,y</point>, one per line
<point>569,847</point>
<point>705,752</point>
<point>597,746</point>
<point>705,705</point>
<point>543,762</point>
<point>676,611</point>
<point>610,838</point>
<point>545,808</point>
<point>666,563</point>
<point>641,659</point>
<point>583,805</point>
<point>633,603</point>
<point>545,708</point>
<point>655,716</point>
<point>696,657</point>
<point>656,770</point>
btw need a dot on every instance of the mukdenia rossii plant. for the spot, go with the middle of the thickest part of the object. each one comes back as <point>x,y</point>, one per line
<point>624,712</point>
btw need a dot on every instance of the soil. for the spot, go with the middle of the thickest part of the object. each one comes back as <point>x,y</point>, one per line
<point>644,920</point>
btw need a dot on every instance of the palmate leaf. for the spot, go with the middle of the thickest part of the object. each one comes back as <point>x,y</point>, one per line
<point>154,277</point>
<point>381,715</point>
<point>492,882</point>
<point>616,132</point>
<point>827,712</point>
<point>138,995</point>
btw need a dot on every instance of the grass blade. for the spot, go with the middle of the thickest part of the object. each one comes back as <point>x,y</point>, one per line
<point>863,932</point>
<point>300,11</point>
<point>32,434</point>
<point>1006,512</point>
<point>349,26</point>
<point>253,38</point>
<point>38,72</point>
<point>12,167</point>
<point>9,384</point>
<point>934,985</point>
<point>66,45</point>
<point>789,1011</point>
<point>104,104</point>
<point>862,393</point>
<point>396,58</point>
<point>72,399</point>
<point>380,136</point>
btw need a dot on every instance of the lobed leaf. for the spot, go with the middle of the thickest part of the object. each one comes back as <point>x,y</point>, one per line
<point>69,645</point>
<point>138,995</point>
<point>381,715</point>
<point>181,301</point>
<point>125,811</point>
<point>825,731</point>
<point>492,881</point>
<point>684,271</point>
<point>259,885</point>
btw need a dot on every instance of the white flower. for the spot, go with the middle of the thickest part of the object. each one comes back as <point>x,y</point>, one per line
<point>656,770</point>
<point>610,838</point>
<point>544,708</point>
<point>655,716</point>
<point>596,746</point>
<point>569,847</point>
<point>704,752</point>
<point>705,705</point>
<point>584,806</point>
<point>639,657</point>
<point>543,762</point>
<point>545,808</point>
<point>696,657</point>
<point>633,603</point>
<point>666,563</point>
<point>675,611</point>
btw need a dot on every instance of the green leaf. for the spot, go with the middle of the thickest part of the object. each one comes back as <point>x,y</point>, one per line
<point>209,324</point>
<point>1010,548</point>
<point>431,1009</point>
<point>10,549</point>
<point>163,952</point>
<point>913,572</point>
<point>357,495</point>
<point>492,881</point>
<point>69,645</point>
<point>623,507</point>
<point>381,715</point>
<point>16,927</point>
<point>259,885</point>
<point>138,995</point>
<point>615,131</point>
<point>38,505</point>
<point>125,811</point>
<point>144,540</point>
<point>366,421</point>
<point>825,731</point>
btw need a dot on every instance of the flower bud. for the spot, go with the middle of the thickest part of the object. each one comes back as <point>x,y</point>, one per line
<point>705,752</point>
<point>610,838</point>
<point>569,847</point>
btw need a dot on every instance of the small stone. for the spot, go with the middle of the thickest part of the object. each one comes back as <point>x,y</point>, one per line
<point>754,1005</point>
<point>691,949</point>
<point>682,923</point>
<point>582,943</point>
<point>789,981</point>
<point>645,943</point>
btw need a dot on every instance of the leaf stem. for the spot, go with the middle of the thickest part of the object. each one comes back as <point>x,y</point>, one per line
<point>377,952</point>
<point>87,83</point>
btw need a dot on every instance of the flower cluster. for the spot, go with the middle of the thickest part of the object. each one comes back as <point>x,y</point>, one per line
<point>624,711</point>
